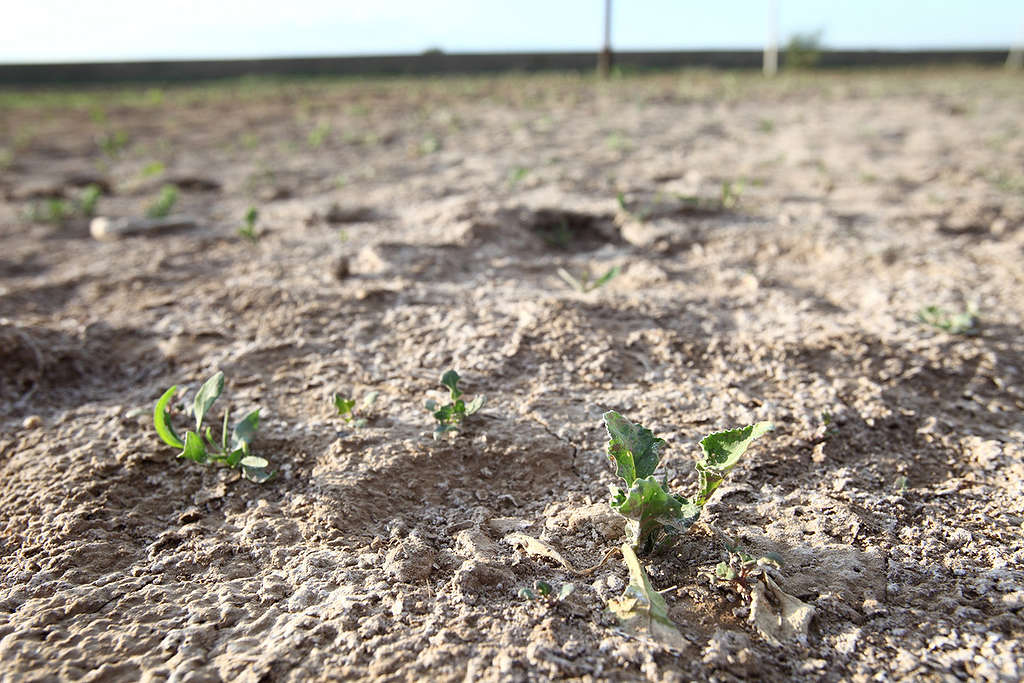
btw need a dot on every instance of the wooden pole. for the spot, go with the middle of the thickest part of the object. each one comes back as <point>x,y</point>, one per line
<point>604,57</point>
<point>771,48</point>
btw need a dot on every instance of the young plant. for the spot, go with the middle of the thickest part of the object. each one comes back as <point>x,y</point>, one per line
<point>542,591</point>
<point>233,448</point>
<point>58,211</point>
<point>88,199</point>
<point>161,208</point>
<point>451,415</point>
<point>655,518</point>
<point>248,229</point>
<point>586,282</point>
<point>346,406</point>
<point>742,569</point>
<point>950,321</point>
<point>318,136</point>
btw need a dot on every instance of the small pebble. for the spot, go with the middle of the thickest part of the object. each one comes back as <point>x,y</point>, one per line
<point>32,422</point>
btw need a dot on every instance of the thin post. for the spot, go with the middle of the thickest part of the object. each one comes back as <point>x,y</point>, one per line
<point>604,58</point>
<point>771,48</point>
<point>1015,59</point>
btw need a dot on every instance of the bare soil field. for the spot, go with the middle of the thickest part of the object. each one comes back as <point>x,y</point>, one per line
<point>776,240</point>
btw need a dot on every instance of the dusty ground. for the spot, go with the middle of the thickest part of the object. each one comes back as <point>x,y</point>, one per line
<point>411,227</point>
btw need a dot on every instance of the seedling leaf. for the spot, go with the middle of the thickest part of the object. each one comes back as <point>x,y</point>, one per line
<point>253,461</point>
<point>476,404</point>
<point>209,392</point>
<point>451,379</point>
<point>641,610</point>
<point>163,427</point>
<point>194,449</point>
<point>243,433</point>
<point>633,448</point>
<point>256,474</point>
<point>722,450</point>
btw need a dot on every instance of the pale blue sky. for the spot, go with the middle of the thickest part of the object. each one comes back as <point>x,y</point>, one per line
<point>77,30</point>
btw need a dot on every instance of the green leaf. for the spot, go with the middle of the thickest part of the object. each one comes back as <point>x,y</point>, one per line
<point>543,587</point>
<point>256,474</point>
<point>642,611</point>
<point>194,449</point>
<point>607,277</point>
<point>160,416</point>
<point>527,594</point>
<point>631,447</point>
<point>431,404</point>
<point>476,404</point>
<point>344,405</point>
<point>722,450</point>
<point>724,571</point>
<point>451,379</point>
<point>565,591</point>
<point>209,392</point>
<point>254,462</point>
<point>244,432</point>
<point>234,457</point>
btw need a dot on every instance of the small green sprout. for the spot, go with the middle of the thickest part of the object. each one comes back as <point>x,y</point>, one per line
<point>318,135</point>
<point>586,282</point>
<point>88,199</point>
<point>731,192</point>
<point>233,448</point>
<point>153,168</point>
<point>112,144</point>
<point>655,518</point>
<point>451,416</point>
<point>346,412</point>
<point>954,323</point>
<point>58,211</point>
<point>901,484</point>
<point>542,591</point>
<point>248,229</point>
<point>164,203</point>
<point>517,174</point>
<point>742,569</point>
<point>54,210</point>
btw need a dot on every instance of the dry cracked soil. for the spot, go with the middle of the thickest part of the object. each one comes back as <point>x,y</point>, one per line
<point>776,240</point>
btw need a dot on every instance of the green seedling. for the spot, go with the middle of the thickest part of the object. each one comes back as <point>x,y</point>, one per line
<point>164,203</point>
<point>54,210</point>
<point>112,144</point>
<point>731,192</point>
<point>586,282</point>
<point>901,484</point>
<point>655,519</point>
<point>429,145</point>
<point>58,211</point>
<point>248,229</point>
<point>742,569</point>
<point>318,136</point>
<point>152,169</point>
<point>451,415</point>
<point>544,592</point>
<point>88,199</point>
<point>233,448</point>
<point>346,408</point>
<point>950,321</point>
<point>517,174</point>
